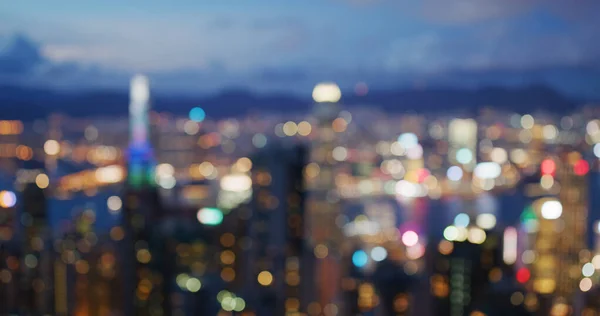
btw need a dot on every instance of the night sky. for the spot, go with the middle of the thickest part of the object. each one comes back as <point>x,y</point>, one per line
<point>232,41</point>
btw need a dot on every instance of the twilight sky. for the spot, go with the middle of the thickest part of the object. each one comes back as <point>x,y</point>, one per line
<point>296,37</point>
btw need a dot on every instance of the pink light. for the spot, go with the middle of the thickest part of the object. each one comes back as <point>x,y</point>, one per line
<point>410,238</point>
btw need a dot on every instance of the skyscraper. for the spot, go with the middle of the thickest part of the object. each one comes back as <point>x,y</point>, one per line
<point>142,208</point>
<point>37,270</point>
<point>323,207</point>
<point>278,256</point>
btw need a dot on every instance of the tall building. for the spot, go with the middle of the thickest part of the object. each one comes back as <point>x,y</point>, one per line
<point>36,292</point>
<point>323,206</point>
<point>142,208</point>
<point>572,175</point>
<point>278,258</point>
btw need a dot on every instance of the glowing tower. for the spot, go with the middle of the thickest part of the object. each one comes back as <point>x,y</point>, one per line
<point>140,151</point>
<point>323,207</point>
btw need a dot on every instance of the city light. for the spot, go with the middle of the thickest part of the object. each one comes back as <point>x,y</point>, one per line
<point>42,181</point>
<point>236,183</point>
<point>454,173</point>
<point>7,199</point>
<point>588,270</point>
<point>265,278</point>
<point>581,167</point>
<point>451,233</point>
<point>360,258</point>
<point>486,221</point>
<point>523,275</point>
<point>114,204</point>
<point>551,209</point>
<point>548,167</point>
<point>476,235</point>
<point>487,170</point>
<point>464,156</point>
<point>51,147</point>
<point>193,285</point>
<point>378,253</point>
<point>585,284</point>
<point>462,220</point>
<point>326,92</point>
<point>197,114</point>
<point>410,238</point>
<point>210,216</point>
<point>408,140</point>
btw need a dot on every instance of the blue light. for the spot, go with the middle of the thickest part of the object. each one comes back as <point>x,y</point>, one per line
<point>197,114</point>
<point>462,220</point>
<point>378,254</point>
<point>360,258</point>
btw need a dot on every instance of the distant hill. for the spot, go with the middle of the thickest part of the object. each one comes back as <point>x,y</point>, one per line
<point>31,103</point>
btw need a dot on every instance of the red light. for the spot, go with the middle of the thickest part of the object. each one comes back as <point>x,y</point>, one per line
<point>581,167</point>
<point>548,167</point>
<point>523,275</point>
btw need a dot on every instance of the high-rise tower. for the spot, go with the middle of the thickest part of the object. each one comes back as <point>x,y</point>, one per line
<point>323,206</point>
<point>142,208</point>
<point>140,171</point>
<point>37,273</point>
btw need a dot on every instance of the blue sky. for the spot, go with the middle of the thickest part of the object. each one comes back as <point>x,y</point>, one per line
<point>310,36</point>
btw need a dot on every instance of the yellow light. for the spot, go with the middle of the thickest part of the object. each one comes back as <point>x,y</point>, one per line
<point>42,180</point>
<point>227,257</point>
<point>304,128</point>
<point>321,251</point>
<point>290,128</point>
<point>51,147</point>
<point>265,278</point>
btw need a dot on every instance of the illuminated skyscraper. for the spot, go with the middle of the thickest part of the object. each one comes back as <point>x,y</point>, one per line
<point>140,150</point>
<point>142,209</point>
<point>323,207</point>
<point>572,175</point>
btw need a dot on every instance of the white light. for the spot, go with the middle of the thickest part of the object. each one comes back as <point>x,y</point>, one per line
<point>378,254</point>
<point>236,183</point>
<point>487,170</point>
<point>164,170</point>
<point>454,173</point>
<point>486,221</point>
<point>551,209</point>
<point>597,150</point>
<point>588,270</point>
<point>596,262</point>
<point>451,233</point>
<point>476,235</point>
<point>340,153</point>
<point>499,155</point>
<point>140,92</point>
<point>114,203</point>
<point>408,140</point>
<point>464,156</point>
<point>462,220</point>
<point>509,253</point>
<point>410,190</point>
<point>410,238</point>
<point>51,147</point>
<point>167,182</point>
<point>326,92</point>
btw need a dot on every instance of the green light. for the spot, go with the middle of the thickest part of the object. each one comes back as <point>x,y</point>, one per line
<point>210,216</point>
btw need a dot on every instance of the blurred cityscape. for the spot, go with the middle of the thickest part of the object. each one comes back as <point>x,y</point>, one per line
<point>340,211</point>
